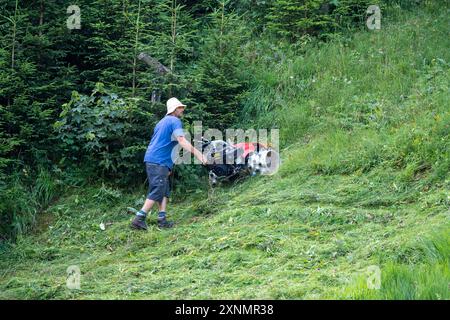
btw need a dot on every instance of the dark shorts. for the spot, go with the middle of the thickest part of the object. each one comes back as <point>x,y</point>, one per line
<point>158,181</point>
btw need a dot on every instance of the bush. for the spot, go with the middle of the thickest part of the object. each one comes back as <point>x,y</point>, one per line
<point>105,133</point>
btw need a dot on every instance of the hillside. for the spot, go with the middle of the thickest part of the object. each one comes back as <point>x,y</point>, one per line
<point>365,131</point>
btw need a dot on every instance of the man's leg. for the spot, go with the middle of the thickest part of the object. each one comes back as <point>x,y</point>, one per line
<point>162,222</point>
<point>153,176</point>
<point>148,204</point>
<point>163,204</point>
<point>141,215</point>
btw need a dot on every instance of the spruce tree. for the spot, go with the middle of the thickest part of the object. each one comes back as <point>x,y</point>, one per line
<point>220,79</point>
<point>33,81</point>
<point>294,19</point>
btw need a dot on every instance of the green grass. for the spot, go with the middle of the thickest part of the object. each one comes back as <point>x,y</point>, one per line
<point>364,181</point>
<point>24,197</point>
<point>293,237</point>
<point>427,279</point>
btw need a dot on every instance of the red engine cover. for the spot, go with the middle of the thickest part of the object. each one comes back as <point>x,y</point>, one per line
<point>248,147</point>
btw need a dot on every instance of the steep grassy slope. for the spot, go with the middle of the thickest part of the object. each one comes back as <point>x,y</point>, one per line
<point>364,181</point>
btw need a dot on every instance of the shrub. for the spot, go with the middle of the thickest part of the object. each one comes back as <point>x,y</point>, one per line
<point>105,132</point>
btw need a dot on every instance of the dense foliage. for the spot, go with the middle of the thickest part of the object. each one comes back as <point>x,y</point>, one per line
<point>296,19</point>
<point>103,131</point>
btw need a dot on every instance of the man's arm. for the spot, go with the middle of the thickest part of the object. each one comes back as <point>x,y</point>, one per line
<point>190,148</point>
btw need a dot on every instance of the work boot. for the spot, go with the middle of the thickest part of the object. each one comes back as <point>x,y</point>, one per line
<point>164,224</point>
<point>139,223</point>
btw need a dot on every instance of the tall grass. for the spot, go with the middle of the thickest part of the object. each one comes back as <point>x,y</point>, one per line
<point>369,99</point>
<point>21,199</point>
<point>428,278</point>
<point>17,210</point>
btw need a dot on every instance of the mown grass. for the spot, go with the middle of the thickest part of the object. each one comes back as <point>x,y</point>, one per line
<point>364,124</point>
<point>262,242</point>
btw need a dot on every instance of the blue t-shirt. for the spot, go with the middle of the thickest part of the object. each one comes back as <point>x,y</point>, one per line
<point>163,141</point>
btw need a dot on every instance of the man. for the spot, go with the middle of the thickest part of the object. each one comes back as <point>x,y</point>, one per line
<point>159,163</point>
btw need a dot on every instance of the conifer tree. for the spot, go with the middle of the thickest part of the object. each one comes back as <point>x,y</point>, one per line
<point>33,81</point>
<point>296,18</point>
<point>220,78</point>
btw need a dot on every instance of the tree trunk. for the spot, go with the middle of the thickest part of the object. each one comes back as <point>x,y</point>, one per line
<point>41,18</point>
<point>135,49</point>
<point>13,50</point>
<point>174,42</point>
<point>222,22</point>
<point>152,62</point>
<point>174,32</point>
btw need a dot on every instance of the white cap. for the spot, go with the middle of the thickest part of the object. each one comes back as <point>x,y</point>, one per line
<point>172,104</point>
